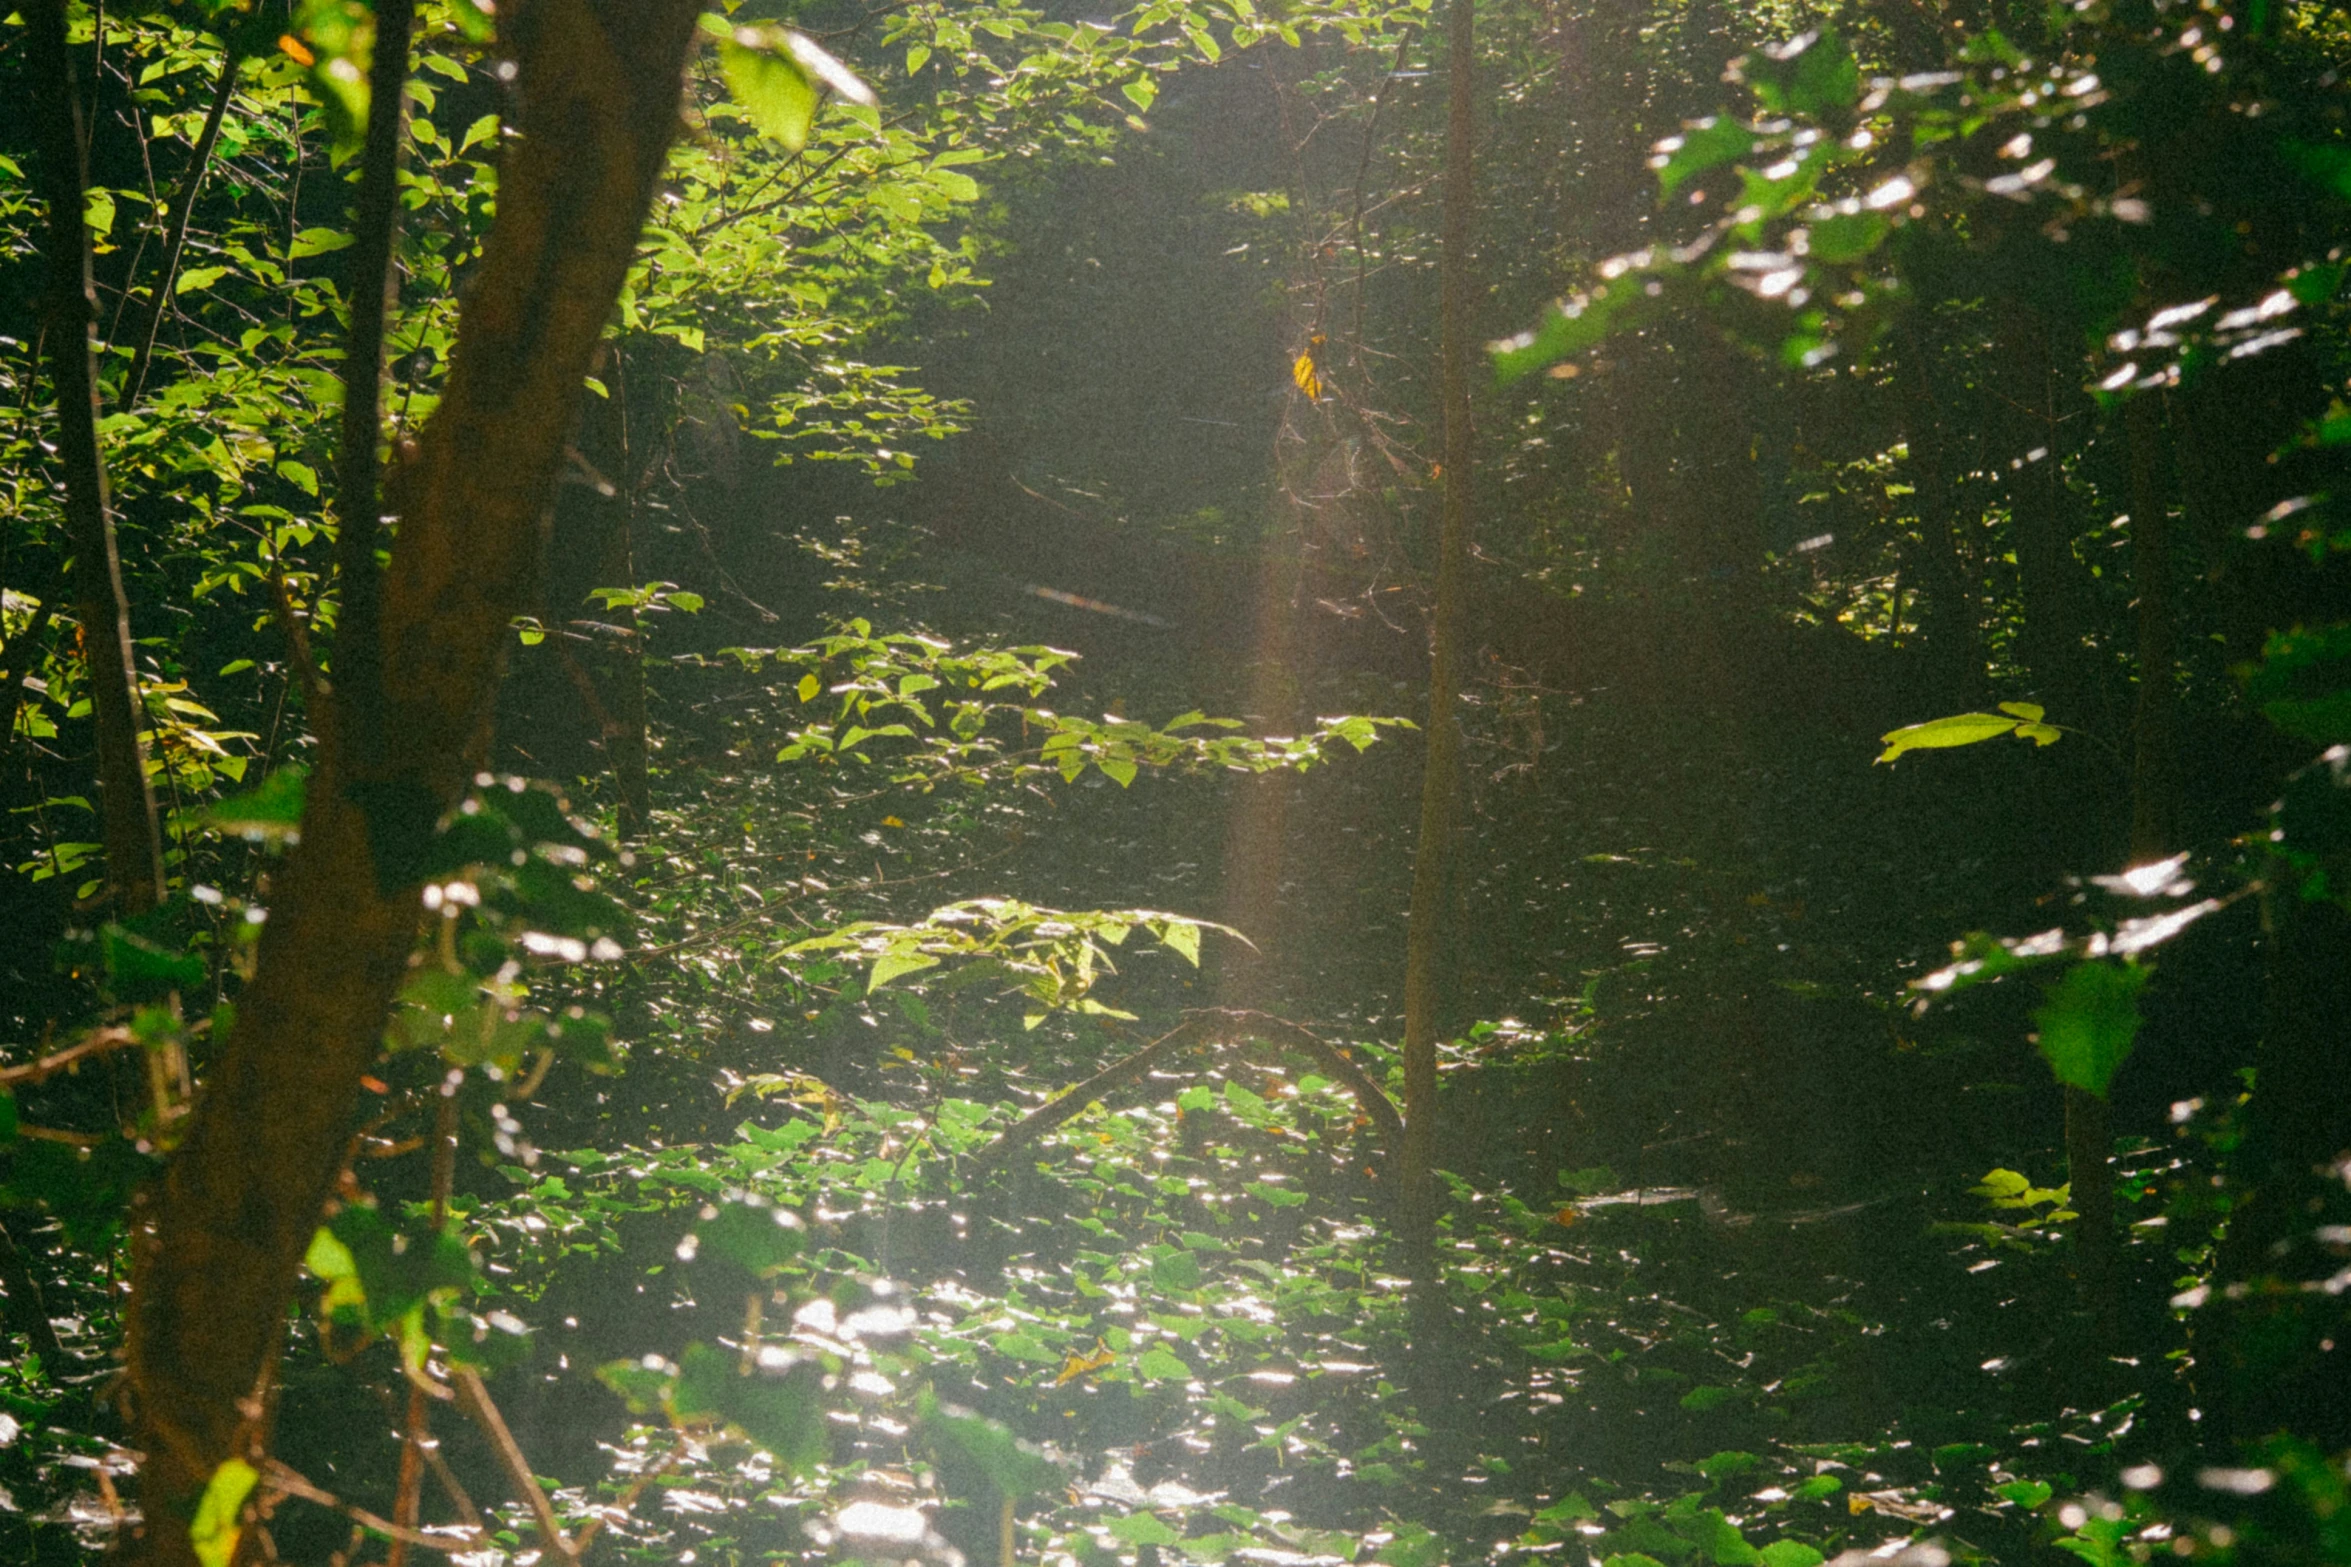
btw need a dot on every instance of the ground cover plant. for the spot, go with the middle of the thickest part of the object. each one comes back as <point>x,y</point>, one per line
<point>1306,784</point>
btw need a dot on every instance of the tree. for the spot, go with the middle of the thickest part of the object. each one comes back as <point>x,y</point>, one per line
<point>1433,854</point>
<point>216,1255</point>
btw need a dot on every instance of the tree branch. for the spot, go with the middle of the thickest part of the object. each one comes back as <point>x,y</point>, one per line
<point>183,208</point>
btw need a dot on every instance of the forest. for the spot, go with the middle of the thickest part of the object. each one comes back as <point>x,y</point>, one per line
<point>1307,783</point>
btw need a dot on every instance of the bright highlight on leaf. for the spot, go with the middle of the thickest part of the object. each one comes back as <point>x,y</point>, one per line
<point>780,77</point>
<point>2021,719</point>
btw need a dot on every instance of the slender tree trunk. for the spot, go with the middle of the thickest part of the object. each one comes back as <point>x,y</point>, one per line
<point>625,742</point>
<point>216,1247</point>
<point>1950,622</point>
<point>2089,1136</point>
<point>2154,763</point>
<point>373,285</point>
<point>1440,792</point>
<point>183,209</point>
<point>134,848</point>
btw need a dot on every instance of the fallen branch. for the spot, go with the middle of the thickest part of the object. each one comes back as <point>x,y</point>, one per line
<point>1210,1026</point>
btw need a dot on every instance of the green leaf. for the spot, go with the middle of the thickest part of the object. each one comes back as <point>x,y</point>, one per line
<point>138,969</point>
<point>197,279</point>
<point>780,78</point>
<point>1160,1364</point>
<point>894,965</point>
<point>1709,144</point>
<point>1016,1468</point>
<point>1789,1553</point>
<point>2090,1021</point>
<point>270,812</point>
<point>2027,1494</point>
<point>216,1527</point>
<point>755,1236</point>
<point>1143,1529</point>
<point>1142,92</point>
<point>1183,938</point>
<point>1940,734</point>
<point>316,242</point>
<point>1178,1270</point>
<point>1841,240</point>
<point>779,1406</point>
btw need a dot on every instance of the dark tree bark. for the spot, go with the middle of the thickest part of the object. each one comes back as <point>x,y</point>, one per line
<point>134,847</point>
<point>217,1246</point>
<point>373,285</point>
<point>1440,793</point>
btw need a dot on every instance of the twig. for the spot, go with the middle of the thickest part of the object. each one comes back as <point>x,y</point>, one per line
<point>297,637</point>
<point>288,1482</point>
<point>1213,1026</point>
<point>418,1435</point>
<point>68,1059</point>
<point>474,1399</point>
<point>183,208</point>
<point>28,641</point>
<point>28,1312</point>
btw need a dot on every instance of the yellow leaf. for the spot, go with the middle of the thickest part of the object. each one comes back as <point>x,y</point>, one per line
<point>809,686</point>
<point>219,1513</point>
<point>892,821</point>
<point>1081,1365</point>
<point>294,50</point>
<point>1309,379</point>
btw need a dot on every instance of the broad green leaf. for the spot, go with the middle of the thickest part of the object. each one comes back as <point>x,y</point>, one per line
<point>1183,938</point>
<point>316,242</point>
<point>1143,1529</point>
<point>756,1237</point>
<point>2090,1021</point>
<point>896,965</point>
<point>1789,1553</point>
<point>1709,144</point>
<point>1938,734</point>
<point>1016,1468</point>
<point>1161,1364</point>
<point>270,812</point>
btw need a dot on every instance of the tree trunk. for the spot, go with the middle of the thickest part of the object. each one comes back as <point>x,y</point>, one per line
<point>373,286</point>
<point>134,848</point>
<point>2154,762</point>
<point>217,1246</point>
<point>1440,791</point>
<point>625,743</point>
<point>1950,623</point>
